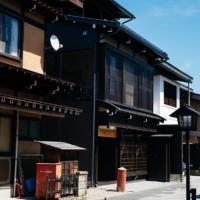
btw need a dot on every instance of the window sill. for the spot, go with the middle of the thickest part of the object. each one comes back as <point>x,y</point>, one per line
<point>168,106</point>
<point>10,56</point>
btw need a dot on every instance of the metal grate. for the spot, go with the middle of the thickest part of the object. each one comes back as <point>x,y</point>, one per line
<point>5,170</point>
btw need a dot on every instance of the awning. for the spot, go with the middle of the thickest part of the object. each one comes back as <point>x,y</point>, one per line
<point>36,107</point>
<point>113,109</point>
<point>28,81</point>
<point>130,127</point>
<point>60,145</point>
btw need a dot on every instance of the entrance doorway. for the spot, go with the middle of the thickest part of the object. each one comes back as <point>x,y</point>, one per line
<point>107,159</point>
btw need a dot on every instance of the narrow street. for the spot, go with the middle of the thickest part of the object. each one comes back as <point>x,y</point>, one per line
<point>149,190</point>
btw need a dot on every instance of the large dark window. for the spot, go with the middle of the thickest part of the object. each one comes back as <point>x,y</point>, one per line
<point>113,77</point>
<point>128,81</point>
<point>29,128</point>
<point>169,94</point>
<point>146,88</point>
<point>9,35</point>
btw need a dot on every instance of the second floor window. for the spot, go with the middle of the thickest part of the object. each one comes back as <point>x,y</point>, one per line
<point>9,35</point>
<point>114,77</point>
<point>169,94</point>
<point>128,81</point>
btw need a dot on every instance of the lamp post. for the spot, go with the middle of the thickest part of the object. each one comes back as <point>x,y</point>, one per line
<point>187,121</point>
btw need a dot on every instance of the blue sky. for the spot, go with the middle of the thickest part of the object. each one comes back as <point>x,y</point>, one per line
<point>174,27</point>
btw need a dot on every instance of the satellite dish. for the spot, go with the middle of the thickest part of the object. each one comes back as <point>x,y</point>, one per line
<point>55,42</point>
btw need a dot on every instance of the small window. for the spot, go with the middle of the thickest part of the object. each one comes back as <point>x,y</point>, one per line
<point>29,128</point>
<point>9,35</point>
<point>169,94</point>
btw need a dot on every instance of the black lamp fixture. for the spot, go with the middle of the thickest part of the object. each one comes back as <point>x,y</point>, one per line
<point>187,121</point>
<point>187,117</point>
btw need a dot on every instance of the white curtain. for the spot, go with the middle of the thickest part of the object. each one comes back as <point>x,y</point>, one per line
<point>12,35</point>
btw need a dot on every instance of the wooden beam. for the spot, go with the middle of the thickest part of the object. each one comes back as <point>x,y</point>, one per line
<point>34,111</point>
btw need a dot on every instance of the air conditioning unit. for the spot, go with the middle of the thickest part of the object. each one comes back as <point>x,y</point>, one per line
<point>5,167</point>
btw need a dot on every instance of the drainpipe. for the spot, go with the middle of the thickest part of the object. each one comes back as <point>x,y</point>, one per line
<point>188,93</point>
<point>16,153</point>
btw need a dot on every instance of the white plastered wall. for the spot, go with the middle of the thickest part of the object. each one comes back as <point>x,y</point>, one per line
<point>159,107</point>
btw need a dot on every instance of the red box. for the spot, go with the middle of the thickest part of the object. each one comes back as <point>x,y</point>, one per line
<point>52,170</point>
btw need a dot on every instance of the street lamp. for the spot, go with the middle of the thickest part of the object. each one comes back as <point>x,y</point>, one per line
<point>187,121</point>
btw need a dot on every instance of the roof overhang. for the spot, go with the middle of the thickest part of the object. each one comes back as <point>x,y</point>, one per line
<point>28,81</point>
<point>135,39</point>
<point>113,109</point>
<point>36,107</point>
<point>176,73</point>
<point>60,145</point>
<point>86,20</point>
<point>143,44</point>
<point>111,7</point>
<point>42,7</point>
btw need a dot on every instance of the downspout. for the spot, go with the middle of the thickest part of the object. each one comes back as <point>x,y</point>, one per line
<point>188,93</point>
<point>16,153</point>
<point>94,97</point>
<point>83,11</point>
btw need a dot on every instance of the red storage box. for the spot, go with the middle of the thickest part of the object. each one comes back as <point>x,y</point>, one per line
<point>52,170</point>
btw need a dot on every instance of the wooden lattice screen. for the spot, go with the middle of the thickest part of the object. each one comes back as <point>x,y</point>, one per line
<point>133,155</point>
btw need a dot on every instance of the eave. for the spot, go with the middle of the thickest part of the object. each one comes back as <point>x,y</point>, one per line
<point>36,107</point>
<point>28,81</point>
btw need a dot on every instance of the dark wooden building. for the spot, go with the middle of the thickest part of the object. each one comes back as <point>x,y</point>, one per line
<point>112,67</point>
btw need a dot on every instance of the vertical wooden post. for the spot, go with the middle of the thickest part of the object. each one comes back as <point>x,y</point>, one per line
<point>187,165</point>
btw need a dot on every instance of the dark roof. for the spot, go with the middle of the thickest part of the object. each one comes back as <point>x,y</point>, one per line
<point>135,36</point>
<point>29,81</point>
<point>37,107</point>
<point>178,74</point>
<point>113,8</point>
<point>185,88</point>
<point>185,108</point>
<point>117,109</point>
<point>60,145</point>
<point>195,96</point>
<point>115,24</point>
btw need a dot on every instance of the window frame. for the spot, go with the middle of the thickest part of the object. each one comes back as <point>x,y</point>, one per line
<point>141,65</point>
<point>169,97</point>
<point>19,39</point>
<point>29,119</point>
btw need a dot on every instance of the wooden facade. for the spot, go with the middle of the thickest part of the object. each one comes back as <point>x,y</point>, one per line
<point>23,84</point>
<point>134,97</point>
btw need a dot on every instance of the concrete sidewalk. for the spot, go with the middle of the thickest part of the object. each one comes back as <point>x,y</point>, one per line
<point>141,190</point>
<point>151,190</point>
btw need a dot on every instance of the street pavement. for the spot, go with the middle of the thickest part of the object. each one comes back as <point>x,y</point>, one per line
<point>141,190</point>
<point>150,190</point>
